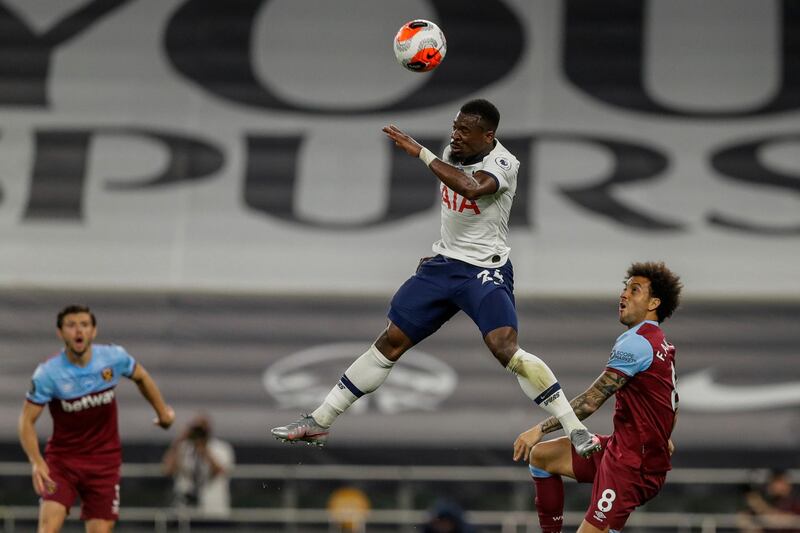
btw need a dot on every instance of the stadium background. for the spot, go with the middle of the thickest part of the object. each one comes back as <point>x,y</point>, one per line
<point>211,178</point>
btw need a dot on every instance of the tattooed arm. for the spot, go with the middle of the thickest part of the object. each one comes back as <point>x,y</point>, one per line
<point>584,405</point>
<point>590,401</point>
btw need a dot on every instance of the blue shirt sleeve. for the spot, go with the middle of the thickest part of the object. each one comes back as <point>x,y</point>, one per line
<point>41,391</point>
<point>123,362</point>
<point>631,354</point>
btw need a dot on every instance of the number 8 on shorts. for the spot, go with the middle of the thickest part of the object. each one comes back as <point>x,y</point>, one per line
<point>606,501</point>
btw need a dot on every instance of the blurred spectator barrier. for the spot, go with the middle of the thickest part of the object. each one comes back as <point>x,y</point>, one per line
<point>292,516</point>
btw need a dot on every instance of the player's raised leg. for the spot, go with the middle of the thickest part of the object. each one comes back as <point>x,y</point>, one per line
<point>419,307</point>
<point>365,375</point>
<point>540,384</point>
<point>496,316</point>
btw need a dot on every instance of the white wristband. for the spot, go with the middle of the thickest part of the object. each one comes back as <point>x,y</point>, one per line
<point>427,156</point>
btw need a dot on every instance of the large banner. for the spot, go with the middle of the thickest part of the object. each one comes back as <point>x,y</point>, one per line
<point>258,362</point>
<point>236,146</point>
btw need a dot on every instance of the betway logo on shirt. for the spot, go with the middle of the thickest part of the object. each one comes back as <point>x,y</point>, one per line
<point>88,401</point>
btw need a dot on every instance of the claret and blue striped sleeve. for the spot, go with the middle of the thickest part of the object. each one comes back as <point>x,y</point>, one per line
<point>41,391</point>
<point>632,354</point>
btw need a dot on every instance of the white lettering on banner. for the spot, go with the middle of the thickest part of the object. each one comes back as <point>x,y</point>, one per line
<point>88,401</point>
<point>271,186</point>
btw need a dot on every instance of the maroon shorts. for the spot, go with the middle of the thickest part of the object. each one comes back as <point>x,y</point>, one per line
<point>97,484</point>
<point>617,489</point>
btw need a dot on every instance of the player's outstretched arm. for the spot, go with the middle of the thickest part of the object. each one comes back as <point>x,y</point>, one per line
<point>147,386</point>
<point>470,187</point>
<point>30,444</point>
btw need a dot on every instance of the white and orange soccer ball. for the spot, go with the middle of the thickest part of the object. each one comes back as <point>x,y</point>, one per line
<point>420,45</point>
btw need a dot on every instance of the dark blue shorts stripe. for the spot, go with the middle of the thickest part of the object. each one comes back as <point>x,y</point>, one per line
<point>552,389</point>
<point>352,388</point>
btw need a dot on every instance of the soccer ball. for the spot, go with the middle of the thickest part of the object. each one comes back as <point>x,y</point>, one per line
<point>420,45</point>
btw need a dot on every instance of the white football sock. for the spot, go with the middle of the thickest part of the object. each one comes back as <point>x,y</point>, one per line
<point>540,385</point>
<point>366,374</point>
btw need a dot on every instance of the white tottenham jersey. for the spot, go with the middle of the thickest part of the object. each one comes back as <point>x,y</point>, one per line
<point>476,231</point>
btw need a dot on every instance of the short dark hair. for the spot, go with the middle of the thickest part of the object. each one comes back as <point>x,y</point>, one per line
<point>71,310</point>
<point>484,109</point>
<point>664,285</point>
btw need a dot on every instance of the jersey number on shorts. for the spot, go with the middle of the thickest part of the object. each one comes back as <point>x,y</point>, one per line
<point>485,276</point>
<point>606,501</point>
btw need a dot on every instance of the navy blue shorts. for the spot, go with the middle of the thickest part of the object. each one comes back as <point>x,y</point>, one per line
<point>442,286</point>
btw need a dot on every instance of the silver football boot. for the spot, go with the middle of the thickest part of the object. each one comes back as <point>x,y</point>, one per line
<point>304,430</point>
<point>585,443</point>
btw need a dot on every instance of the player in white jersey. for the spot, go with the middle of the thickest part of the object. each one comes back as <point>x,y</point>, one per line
<point>471,272</point>
<point>476,230</point>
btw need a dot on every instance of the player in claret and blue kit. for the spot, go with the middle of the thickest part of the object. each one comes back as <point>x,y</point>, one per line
<point>84,455</point>
<point>635,458</point>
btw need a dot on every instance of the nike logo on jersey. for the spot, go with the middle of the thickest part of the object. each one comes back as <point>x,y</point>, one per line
<point>699,392</point>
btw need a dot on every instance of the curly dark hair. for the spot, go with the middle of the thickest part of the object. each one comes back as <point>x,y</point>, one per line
<point>71,310</point>
<point>484,109</point>
<point>664,285</point>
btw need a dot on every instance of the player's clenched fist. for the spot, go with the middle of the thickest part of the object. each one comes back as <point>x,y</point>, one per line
<point>165,418</point>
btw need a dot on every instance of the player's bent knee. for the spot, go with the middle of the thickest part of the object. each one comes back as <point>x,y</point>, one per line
<point>393,342</point>
<point>538,457</point>
<point>502,342</point>
<point>553,456</point>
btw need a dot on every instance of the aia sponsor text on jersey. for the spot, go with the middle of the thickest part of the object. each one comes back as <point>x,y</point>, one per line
<point>454,202</point>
